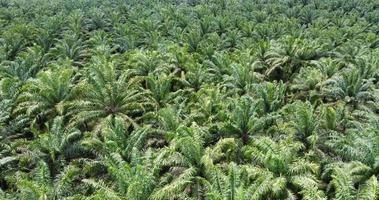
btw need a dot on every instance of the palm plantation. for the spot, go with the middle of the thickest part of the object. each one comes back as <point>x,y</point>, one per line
<point>195,99</point>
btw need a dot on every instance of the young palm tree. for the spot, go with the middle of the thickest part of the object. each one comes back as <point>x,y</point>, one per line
<point>161,89</point>
<point>130,181</point>
<point>233,185</point>
<point>271,96</point>
<point>107,93</point>
<point>185,172</point>
<point>241,78</point>
<point>119,139</point>
<point>359,145</point>
<point>307,84</point>
<point>14,40</point>
<point>350,86</point>
<point>287,59</point>
<point>59,145</point>
<point>279,172</point>
<point>46,96</point>
<point>42,186</point>
<point>71,47</point>
<point>210,108</point>
<point>22,68</point>
<point>305,123</point>
<point>242,119</point>
<point>344,178</point>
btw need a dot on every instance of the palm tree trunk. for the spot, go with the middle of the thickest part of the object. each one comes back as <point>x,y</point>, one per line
<point>245,138</point>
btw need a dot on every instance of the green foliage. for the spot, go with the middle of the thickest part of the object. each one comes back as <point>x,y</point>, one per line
<point>196,99</point>
<point>344,176</point>
<point>278,167</point>
<point>105,92</point>
<point>47,95</point>
<point>351,86</point>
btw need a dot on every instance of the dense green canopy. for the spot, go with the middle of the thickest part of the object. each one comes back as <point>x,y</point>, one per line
<point>189,99</point>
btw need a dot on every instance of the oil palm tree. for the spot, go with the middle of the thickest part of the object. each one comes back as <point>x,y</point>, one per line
<point>349,86</point>
<point>59,145</point>
<point>219,63</point>
<point>125,39</point>
<point>261,56</point>
<point>12,126</point>
<point>47,95</point>
<point>98,20</point>
<point>210,108</point>
<point>24,67</point>
<point>328,66</point>
<point>46,36</point>
<point>241,78</point>
<point>230,185</point>
<point>107,93</point>
<point>76,22</point>
<point>344,178</point>
<point>307,84</point>
<point>193,39</point>
<point>119,139</point>
<point>161,89</point>
<point>195,76</point>
<point>183,160</point>
<point>287,59</point>
<point>347,53</point>
<point>43,186</point>
<point>219,100</point>
<point>71,47</point>
<point>14,40</point>
<point>359,145</point>
<point>305,123</point>
<point>231,39</point>
<point>242,119</point>
<point>279,172</point>
<point>130,181</point>
<point>146,62</point>
<point>271,96</point>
